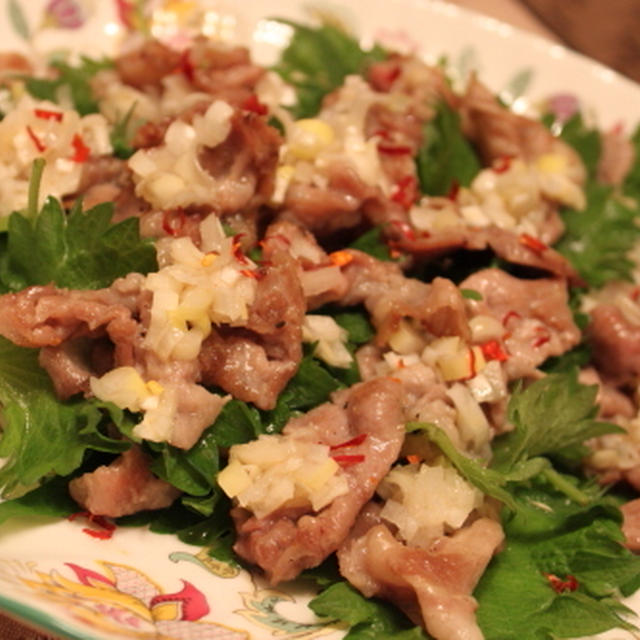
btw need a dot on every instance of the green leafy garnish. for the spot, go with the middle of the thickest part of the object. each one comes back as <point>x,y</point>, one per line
<point>41,435</point>
<point>597,239</point>
<point>369,619</point>
<point>79,250</point>
<point>446,157</point>
<point>73,79</point>
<point>584,140</point>
<point>317,60</point>
<point>120,136</point>
<point>372,243</point>
<point>631,185</point>
<point>551,541</point>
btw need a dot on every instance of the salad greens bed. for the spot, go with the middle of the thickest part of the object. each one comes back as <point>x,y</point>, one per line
<point>563,566</point>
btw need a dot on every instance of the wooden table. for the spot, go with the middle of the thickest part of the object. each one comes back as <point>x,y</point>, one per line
<point>555,20</point>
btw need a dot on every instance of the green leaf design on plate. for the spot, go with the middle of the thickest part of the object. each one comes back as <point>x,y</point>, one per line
<point>18,20</point>
<point>517,86</point>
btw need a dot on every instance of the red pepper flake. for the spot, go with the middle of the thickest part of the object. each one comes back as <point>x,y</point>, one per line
<point>570,583</point>
<point>383,74</point>
<point>413,459</point>
<point>405,192</point>
<point>382,133</point>
<point>340,258</point>
<point>354,442</point>
<point>532,243</point>
<point>46,114</point>
<point>502,164</point>
<point>405,229</point>
<point>80,150</point>
<point>36,141</point>
<point>472,364</point>
<point>173,221</point>
<point>454,190</point>
<point>508,316</point>
<point>236,249</point>
<point>348,460</point>
<point>394,149</point>
<point>106,527</point>
<point>186,66</point>
<point>249,273</point>
<point>635,294</point>
<point>543,339</point>
<point>254,105</point>
<point>492,350</point>
<point>395,254</point>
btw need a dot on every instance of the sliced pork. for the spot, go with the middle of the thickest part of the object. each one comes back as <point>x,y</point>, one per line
<point>286,542</point>
<point>535,314</point>
<point>123,487</point>
<point>255,363</point>
<point>432,586</point>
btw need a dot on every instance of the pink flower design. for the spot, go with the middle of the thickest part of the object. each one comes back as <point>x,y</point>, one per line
<point>64,14</point>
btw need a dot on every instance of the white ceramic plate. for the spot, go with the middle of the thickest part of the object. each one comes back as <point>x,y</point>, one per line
<point>140,585</point>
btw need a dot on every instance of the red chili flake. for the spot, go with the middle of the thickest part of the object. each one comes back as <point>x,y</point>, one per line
<point>186,66</point>
<point>532,243</point>
<point>508,316</point>
<point>354,442</point>
<point>405,191</point>
<point>472,364</point>
<point>570,583</point>
<point>249,273</point>
<point>413,459</point>
<point>492,350</point>
<point>395,254</point>
<point>236,249</point>
<point>394,149</point>
<point>340,258</point>
<point>348,460</point>
<point>635,294</point>
<point>253,104</point>
<point>543,339</point>
<point>173,221</point>
<point>382,133</point>
<point>81,152</point>
<point>384,74</point>
<point>36,141</point>
<point>502,164</point>
<point>454,190</point>
<point>46,114</point>
<point>405,229</point>
<point>106,526</point>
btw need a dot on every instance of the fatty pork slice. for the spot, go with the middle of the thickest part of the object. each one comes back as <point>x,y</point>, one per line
<point>123,487</point>
<point>285,542</point>
<point>432,586</point>
<point>500,133</point>
<point>537,320</point>
<point>80,333</point>
<point>255,363</point>
<point>615,342</point>
<point>390,296</point>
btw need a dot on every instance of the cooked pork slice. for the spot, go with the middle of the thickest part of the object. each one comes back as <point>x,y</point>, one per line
<point>535,313</point>
<point>123,487</point>
<point>288,541</point>
<point>256,362</point>
<point>432,586</point>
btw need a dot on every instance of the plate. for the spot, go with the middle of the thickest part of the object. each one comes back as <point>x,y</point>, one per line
<point>142,585</point>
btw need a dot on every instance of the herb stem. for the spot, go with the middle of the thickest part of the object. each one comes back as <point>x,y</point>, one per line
<point>564,486</point>
<point>34,187</point>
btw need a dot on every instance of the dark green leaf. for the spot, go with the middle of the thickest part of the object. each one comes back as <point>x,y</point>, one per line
<point>310,387</point>
<point>372,242</point>
<point>551,414</point>
<point>238,422</point>
<point>357,324</point>
<point>584,140</point>
<point>470,294</point>
<point>81,250</point>
<point>445,158</point>
<point>369,619</point>
<point>631,186</point>
<point>52,499</point>
<point>597,239</point>
<point>317,60</point>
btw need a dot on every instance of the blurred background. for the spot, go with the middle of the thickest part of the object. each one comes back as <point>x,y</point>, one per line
<point>607,30</point>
